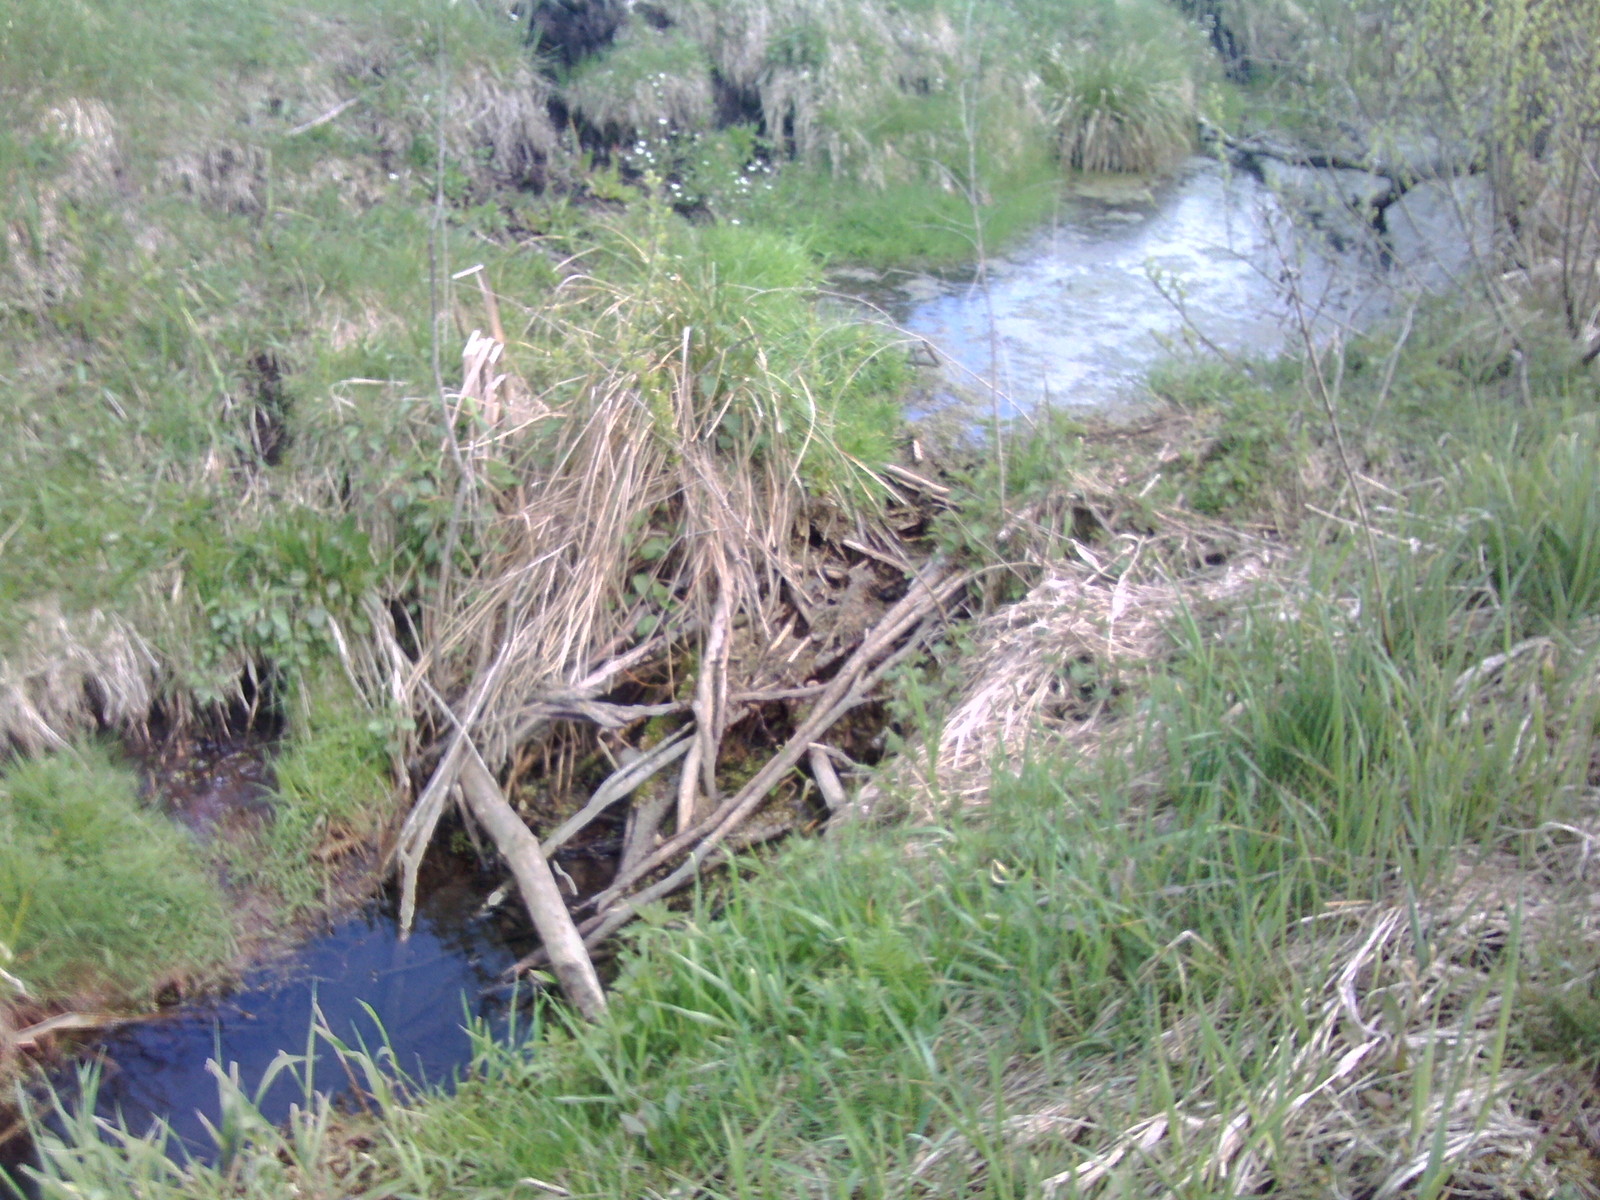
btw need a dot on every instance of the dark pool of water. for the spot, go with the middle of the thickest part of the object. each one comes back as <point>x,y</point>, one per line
<point>421,993</point>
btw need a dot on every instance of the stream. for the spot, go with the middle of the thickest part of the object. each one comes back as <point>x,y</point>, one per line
<point>1128,273</point>
<point>1073,317</point>
<point>368,986</point>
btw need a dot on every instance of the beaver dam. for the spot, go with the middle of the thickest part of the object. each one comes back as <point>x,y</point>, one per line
<point>647,673</point>
<point>511,683</point>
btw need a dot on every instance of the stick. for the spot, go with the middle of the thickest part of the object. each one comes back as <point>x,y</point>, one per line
<point>838,699</point>
<point>419,825</point>
<point>537,885</point>
<point>616,787</point>
<point>330,115</point>
<point>827,778</point>
<point>643,823</point>
<point>710,703</point>
<point>688,786</point>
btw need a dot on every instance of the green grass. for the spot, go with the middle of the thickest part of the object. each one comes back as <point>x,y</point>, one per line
<point>1129,111</point>
<point>159,305</point>
<point>883,124</point>
<point>334,788</point>
<point>100,898</point>
<point>906,224</point>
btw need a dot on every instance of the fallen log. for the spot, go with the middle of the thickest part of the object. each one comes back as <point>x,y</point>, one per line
<point>536,884</point>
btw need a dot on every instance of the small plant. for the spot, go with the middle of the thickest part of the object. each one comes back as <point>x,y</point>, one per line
<point>270,594</point>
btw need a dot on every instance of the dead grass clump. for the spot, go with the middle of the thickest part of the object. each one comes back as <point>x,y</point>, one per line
<point>647,85</point>
<point>227,175</point>
<point>71,674</point>
<point>499,119</point>
<point>41,255</point>
<point>1049,669</point>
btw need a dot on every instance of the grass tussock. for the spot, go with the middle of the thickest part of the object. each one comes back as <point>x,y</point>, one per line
<point>99,897</point>
<point>1132,111</point>
<point>75,673</point>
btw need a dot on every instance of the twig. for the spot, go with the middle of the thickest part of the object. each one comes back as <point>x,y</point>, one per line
<point>619,785</point>
<point>844,693</point>
<point>937,490</point>
<point>1325,395</point>
<point>332,114</point>
<point>923,597</point>
<point>644,822</point>
<point>417,832</point>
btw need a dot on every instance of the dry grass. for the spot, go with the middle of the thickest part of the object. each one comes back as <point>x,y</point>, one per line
<point>647,469</point>
<point>1409,1075</point>
<point>74,673</point>
<point>646,85</point>
<point>1397,1084</point>
<point>41,261</point>
<point>1051,665</point>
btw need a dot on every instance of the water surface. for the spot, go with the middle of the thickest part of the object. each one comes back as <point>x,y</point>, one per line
<point>365,983</point>
<point>1212,260</point>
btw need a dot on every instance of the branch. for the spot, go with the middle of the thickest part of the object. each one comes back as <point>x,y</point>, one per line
<point>537,885</point>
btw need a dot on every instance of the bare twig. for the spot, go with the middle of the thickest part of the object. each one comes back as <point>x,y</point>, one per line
<point>624,781</point>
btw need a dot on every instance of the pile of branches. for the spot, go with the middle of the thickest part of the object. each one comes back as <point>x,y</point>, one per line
<point>674,560</point>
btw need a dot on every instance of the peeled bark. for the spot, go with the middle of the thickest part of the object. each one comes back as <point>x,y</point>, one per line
<point>537,886</point>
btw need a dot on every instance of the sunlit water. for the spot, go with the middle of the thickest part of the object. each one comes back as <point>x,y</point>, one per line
<point>1207,262</point>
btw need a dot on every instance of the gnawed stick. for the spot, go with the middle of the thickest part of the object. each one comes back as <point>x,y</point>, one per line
<point>644,821</point>
<point>827,778</point>
<point>30,1037</point>
<point>711,850</point>
<point>689,785</point>
<point>535,883</point>
<point>925,596</point>
<point>617,786</point>
<point>710,703</point>
<point>602,928</point>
